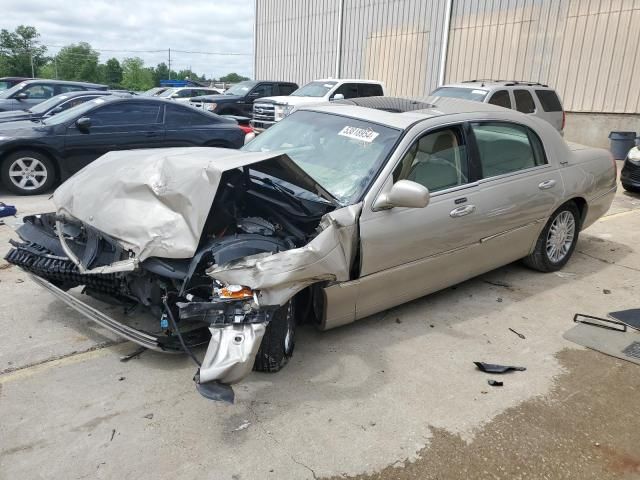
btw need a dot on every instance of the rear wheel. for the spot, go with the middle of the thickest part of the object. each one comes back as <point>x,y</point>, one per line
<point>278,341</point>
<point>28,173</point>
<point>630,188</point>
<point>557,241</point>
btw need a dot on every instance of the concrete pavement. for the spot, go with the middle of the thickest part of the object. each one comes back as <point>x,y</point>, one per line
<point>394,396</point>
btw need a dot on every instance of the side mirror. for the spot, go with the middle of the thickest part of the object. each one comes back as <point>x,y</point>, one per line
<point>338,96</point>
<point>403,193</point>
<point>83,123</point>
<point>21,96</point>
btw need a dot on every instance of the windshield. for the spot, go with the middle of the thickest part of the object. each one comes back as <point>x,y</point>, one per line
<point>4,84</point>
<point>342,154</point>
<point>73,112</point>
<point>10,91</point>
<point>168,92</point>
<point>474,94</point>
<point>314,89</point>
<point>43,107</point>
<point>240,88</point>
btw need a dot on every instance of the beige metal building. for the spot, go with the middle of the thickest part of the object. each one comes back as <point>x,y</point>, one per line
<point>589,50</point>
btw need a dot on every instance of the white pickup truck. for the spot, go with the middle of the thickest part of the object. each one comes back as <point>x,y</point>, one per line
<point>269,110</point>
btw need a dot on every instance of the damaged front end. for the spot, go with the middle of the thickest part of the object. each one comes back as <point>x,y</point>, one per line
<point>237,261</point>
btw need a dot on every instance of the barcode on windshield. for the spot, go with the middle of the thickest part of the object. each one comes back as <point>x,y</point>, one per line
<point>362,134</point>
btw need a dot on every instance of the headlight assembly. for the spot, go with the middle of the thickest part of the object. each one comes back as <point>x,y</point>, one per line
<point>634,155</point>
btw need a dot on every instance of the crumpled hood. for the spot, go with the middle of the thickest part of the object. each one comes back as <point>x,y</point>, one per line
<point>155,202</point>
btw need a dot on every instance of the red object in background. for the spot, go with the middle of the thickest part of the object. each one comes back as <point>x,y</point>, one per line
<point>246,129</point>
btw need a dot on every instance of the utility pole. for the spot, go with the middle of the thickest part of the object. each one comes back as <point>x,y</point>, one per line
<point>169,64</point>
<point>33,72</point>
<point>55,62</point>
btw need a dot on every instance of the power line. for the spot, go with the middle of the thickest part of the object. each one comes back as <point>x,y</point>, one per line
<point>154,51</point>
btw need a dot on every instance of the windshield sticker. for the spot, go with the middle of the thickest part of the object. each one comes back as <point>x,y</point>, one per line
<point>362,134</point>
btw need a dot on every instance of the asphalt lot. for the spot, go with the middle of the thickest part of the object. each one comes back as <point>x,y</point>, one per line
<point>393,396</point>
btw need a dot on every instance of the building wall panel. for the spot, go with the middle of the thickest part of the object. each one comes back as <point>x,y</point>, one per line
<point>586,49</point>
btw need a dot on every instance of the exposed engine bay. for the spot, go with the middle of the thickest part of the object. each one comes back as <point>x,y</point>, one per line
<point>253,218</point>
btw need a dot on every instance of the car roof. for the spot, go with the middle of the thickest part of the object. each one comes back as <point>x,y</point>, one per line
<point>65,82</point>
<point>488,84</point>
<point>350,80</point>
<point>400,112</point>
<point>80,93</point>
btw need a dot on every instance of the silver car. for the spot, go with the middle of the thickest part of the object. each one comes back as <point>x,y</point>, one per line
<point>531,98</point>
<point>337,212</point>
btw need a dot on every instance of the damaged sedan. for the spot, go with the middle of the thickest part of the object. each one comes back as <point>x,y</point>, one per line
<point>337,212</point>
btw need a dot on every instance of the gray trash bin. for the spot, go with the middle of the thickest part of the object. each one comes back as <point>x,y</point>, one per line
<point>620,143</point>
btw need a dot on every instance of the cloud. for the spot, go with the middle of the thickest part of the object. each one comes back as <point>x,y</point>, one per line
<point>194,26</point>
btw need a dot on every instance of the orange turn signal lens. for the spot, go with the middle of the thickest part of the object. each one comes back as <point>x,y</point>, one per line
<point>236,291</point>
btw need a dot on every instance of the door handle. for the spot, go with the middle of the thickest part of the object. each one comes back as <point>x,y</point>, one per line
<point>462,211</point>
<point>546,184</point>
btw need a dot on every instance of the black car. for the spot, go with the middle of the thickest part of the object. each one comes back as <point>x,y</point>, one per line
<point>8,82</point>
<point>31,92</point>
<point>238,100</point>
<point>36,155</point>
<point>630,174</point>
<point>54,105</point>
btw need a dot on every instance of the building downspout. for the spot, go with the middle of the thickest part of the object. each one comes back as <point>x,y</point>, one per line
<point>445,43</point>
<point>255,38</point>
<point>339,47</point>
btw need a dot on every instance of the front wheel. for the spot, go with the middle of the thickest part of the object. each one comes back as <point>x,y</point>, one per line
<point>278,341</point>
<point>557,241</point>
<point>27,172</point>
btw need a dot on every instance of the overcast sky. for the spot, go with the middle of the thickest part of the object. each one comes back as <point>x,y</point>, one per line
<point>224,26</point>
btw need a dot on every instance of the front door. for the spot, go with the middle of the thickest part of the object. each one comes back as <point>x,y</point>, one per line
<point>114,126</point>
<point>410,252</point>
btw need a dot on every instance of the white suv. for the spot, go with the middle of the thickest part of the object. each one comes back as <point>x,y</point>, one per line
<point>527,97</point>
<point>269,110</point>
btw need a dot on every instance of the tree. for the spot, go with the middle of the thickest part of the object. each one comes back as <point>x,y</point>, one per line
<point>18,49</point>
<point>78,62</point>
<point>135,76</point>
<point>161,72</point>
<point>233,78</point>
<point>112,73</point>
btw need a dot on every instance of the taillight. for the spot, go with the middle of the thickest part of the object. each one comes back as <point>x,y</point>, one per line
<point>246,129</point>
<point>564,120</point>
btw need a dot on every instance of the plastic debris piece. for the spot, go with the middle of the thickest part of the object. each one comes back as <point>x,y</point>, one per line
<point>495,368</point>
<point>495,383</point>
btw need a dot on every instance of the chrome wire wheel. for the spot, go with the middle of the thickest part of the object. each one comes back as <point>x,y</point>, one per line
<point>560,236</point>
<point>28,173</point>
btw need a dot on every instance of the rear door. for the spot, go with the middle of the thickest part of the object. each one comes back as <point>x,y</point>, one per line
<point>550,107</point>
<point>187,127</point>
<point>519,188</point>
<point>114,126</point>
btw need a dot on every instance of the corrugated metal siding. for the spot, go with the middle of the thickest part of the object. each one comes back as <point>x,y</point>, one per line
<point>296,40</point>
<point>588,50</point>
<point>394,41</point>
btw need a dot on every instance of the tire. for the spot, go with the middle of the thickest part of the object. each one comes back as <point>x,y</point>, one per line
<point>549,256</point>
<point>278,341</point>
<point>631,189</point>
<point>26,172</point>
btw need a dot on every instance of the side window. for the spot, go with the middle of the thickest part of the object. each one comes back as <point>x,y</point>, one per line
<point>125,114</point>
<point>500,98</point>
<point>549,100</point>
<point>524,101</point>
<point>438,160</point>
<point>177,117</point>
<point>262,90</point>
<point>507,147</point>
<point>74,102</point>
<point>39,91</point>
<point>349,90</point>
<point>286,89</point>
<point>69,88</point>
<point>370,90</point>
<point>185,93</point>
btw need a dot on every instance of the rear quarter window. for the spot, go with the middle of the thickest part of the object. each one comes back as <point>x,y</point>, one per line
<point>549,100</point>
<point>524,101</point>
